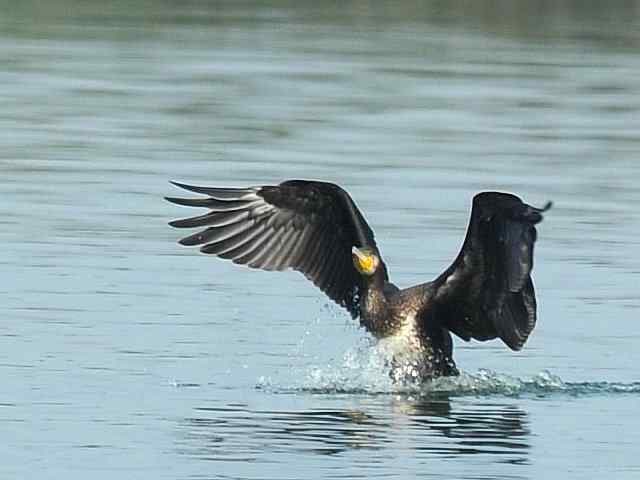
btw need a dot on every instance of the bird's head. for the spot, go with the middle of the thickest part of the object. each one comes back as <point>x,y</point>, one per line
<point>365,260</point>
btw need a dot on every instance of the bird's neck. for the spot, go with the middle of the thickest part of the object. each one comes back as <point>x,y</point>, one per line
<point>374,306</point>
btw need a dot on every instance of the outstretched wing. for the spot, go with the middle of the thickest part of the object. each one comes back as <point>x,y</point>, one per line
<point>305,225</point>
<point>487,292</point>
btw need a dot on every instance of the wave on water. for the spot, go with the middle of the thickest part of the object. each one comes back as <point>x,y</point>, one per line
<point>367,371</point>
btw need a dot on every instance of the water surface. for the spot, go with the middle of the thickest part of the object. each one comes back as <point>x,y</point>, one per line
<point>123,354</point>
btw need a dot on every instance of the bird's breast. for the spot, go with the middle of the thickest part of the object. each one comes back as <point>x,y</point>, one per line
<point>406,333</point>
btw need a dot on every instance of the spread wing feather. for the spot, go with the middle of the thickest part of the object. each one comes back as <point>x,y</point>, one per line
<point>304,225</point>
<point>487,292</point>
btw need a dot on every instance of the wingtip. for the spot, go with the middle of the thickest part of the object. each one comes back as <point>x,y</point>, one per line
<point>180,185</point>
<point>534,214</point>
<point>171,200</point>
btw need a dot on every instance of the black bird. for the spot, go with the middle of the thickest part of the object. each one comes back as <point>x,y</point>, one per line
<point>316,228</point>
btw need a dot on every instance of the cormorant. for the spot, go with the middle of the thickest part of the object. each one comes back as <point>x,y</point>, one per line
<point>316,228</point>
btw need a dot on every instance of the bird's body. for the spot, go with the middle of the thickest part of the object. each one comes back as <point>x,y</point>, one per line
<point>316,228</point>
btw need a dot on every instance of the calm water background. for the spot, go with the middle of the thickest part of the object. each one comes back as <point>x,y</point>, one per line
<point>123,354</point>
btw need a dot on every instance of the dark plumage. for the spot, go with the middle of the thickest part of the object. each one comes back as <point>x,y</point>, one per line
<point>313,227</point>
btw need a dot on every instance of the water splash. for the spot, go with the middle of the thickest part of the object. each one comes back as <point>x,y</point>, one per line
<point>366,370</point>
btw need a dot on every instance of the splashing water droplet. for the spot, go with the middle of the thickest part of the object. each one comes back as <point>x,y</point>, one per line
<point>367,369</point>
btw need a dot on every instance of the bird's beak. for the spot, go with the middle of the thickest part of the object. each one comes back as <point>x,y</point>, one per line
<point>362,261</point>
<point>358,254</point>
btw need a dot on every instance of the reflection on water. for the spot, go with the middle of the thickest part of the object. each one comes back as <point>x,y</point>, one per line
<point>489,428</point>
<point>426,426</point>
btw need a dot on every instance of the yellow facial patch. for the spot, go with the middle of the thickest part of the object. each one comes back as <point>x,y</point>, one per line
<point>364,261</point>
